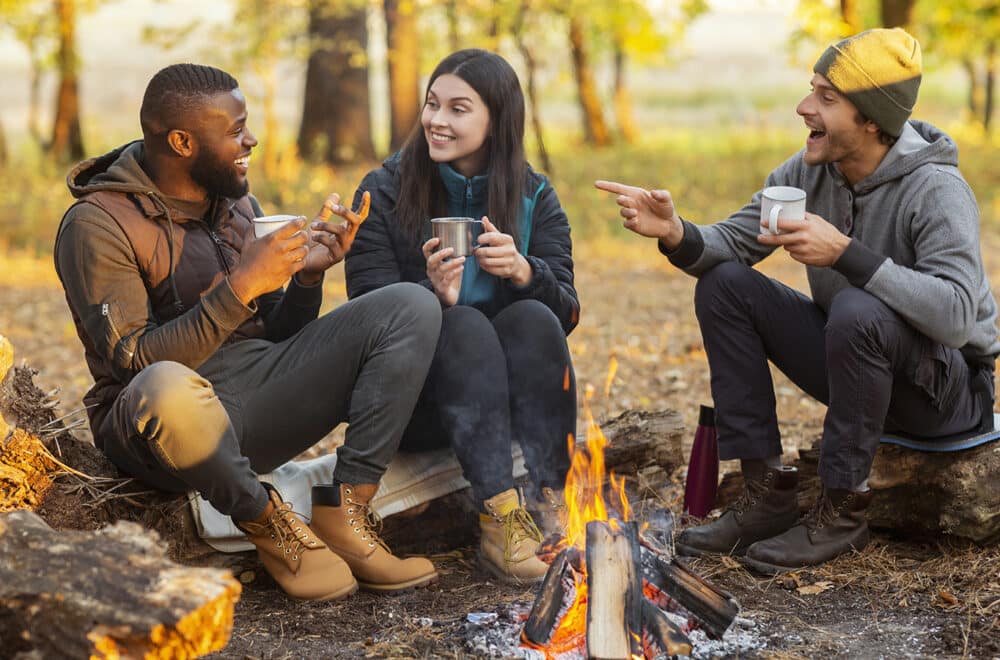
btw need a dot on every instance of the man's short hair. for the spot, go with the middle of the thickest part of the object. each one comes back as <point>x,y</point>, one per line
<point>178,90</point>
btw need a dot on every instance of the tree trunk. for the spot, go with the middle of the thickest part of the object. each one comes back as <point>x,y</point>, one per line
<point>897,13</point>
<point>991,54</point>
<point>531,70</point>
<point>451,15</point>
<point>3,156</point>
<point>623,100</point>
<point>595,131</point>
<point>67,140</point>
<point>270,81</point>
<point>336,125</point>
<point>975,89</point>
<point>403,53</point>
<point>36,57</point>
<point>849,12</point>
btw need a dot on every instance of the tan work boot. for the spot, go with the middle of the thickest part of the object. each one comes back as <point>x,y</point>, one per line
<point>509,539</point>
<point>342,518</point>
<point>549,511</point>
<point>297,560</point>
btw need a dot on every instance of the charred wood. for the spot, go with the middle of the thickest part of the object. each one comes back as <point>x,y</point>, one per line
<point>542,620</point>
<point>663,632</point>
<point>674,588</point>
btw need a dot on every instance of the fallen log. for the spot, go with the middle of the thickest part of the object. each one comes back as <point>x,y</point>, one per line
<point>109,593</point>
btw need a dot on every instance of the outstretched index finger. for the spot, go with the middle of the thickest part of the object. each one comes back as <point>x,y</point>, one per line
<point>617,188</point>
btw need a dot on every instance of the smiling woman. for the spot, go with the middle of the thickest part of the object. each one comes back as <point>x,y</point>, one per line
<point>507,309</point>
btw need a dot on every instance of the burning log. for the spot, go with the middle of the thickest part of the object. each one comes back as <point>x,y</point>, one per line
<point>674,588</point>
<point>549,601</point>
<point>663,632</point>
<point>614,591</point>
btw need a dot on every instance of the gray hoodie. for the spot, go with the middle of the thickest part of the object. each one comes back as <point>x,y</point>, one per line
<point>915,229</point>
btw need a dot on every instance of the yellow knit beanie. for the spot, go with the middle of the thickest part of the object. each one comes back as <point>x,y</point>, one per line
<point>879,71</point>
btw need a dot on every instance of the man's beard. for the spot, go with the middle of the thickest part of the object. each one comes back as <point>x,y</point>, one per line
<point>217,177</point>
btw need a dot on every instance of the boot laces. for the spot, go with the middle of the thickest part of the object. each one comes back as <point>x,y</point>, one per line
<point>367,523</point>
<point>753,492</point>
<point>822,513</point>
<point>518,526</point>
<point>287,530</point>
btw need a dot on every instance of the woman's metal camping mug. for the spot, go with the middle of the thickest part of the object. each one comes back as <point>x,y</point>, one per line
<point>461,234</point>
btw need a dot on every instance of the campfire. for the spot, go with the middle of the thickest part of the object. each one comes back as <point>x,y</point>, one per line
<point>614,588</point>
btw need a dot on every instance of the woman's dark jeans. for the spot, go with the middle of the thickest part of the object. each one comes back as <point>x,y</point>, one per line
<point>493,381</point>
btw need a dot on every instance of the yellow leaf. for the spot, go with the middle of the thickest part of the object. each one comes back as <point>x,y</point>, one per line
<point>813,589</point>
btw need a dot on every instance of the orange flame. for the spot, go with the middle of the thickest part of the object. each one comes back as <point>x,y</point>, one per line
<point>612,370</point>
<point>584,497</point>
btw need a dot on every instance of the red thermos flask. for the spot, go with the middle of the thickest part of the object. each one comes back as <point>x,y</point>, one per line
<point>703,468</point>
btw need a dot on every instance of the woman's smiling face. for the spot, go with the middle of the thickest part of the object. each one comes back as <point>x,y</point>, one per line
<point>456,124</point>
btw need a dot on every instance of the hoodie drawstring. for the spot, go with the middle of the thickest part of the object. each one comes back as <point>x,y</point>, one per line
<point>178,305</point>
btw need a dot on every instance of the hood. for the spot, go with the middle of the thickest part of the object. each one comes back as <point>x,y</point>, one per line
<point>919,144</point>
<point>117,171</point>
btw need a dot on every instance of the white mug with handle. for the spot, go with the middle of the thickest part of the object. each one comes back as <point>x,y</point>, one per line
<point>781,203</point>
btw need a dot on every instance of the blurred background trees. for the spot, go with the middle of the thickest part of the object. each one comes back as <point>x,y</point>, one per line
<point>331,40</point>
<point>596,76</point>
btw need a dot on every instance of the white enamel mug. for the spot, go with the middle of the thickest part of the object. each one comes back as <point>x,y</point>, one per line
<point>781,203</point>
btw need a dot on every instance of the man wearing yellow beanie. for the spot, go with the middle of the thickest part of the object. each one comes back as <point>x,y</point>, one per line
<point>899,334</point>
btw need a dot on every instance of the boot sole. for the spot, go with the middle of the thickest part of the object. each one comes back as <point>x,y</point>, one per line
<point>691,551</point>
<point>767,568</point>
<point>506,578</point>
<point>336,595</point>
<point>415,583</point>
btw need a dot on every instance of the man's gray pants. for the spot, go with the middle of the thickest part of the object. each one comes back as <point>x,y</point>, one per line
<point>873,370</point>
<point>256,404</point>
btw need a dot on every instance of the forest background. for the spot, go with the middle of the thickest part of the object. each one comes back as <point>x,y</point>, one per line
<point>694,95</point>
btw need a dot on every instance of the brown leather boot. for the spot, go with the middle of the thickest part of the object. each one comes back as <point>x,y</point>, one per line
<point>343,518</point>
<point>509,539</point>
<point>295,557</point>
<point>549,511</point>
<point>766,508</point>
<point>835,525</point>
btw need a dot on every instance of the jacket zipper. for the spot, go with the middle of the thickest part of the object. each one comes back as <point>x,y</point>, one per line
<point>468,197</point>
<point>217,240</point>
<point>106,313</point>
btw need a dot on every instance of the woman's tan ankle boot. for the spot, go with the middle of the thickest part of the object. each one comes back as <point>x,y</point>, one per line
<point>509,539</point>
<point>295,557</point>
<point>344,520</point>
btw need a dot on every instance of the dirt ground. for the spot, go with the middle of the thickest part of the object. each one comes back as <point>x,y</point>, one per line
<point>637,347</point>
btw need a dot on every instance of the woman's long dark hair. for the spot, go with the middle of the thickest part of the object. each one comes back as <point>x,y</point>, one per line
<point>422,194</point>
